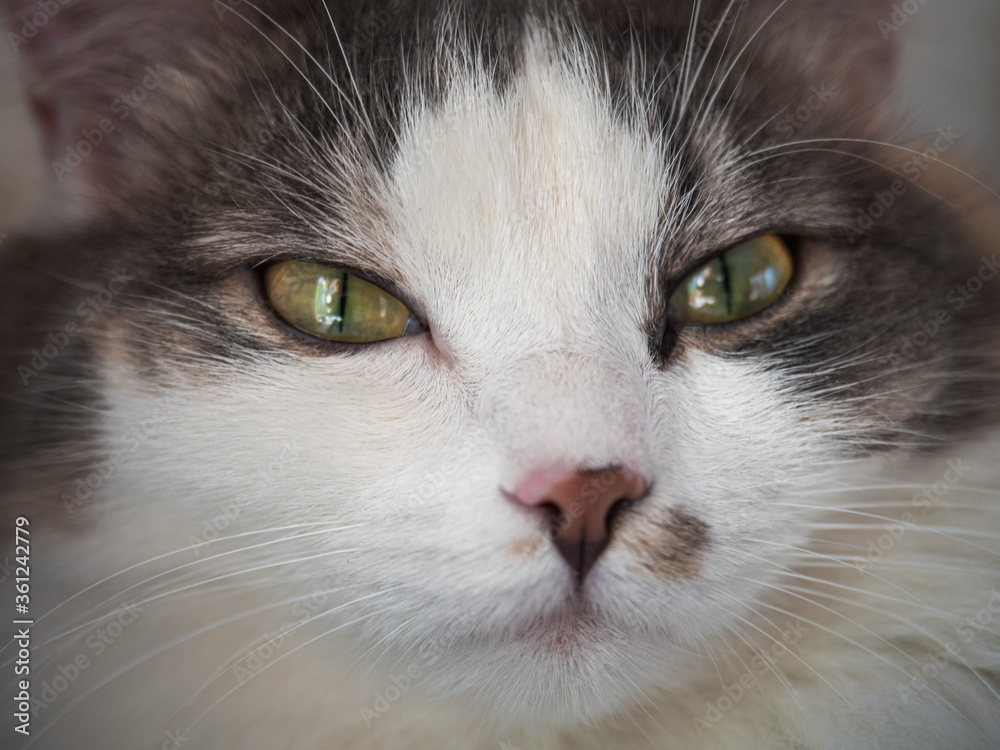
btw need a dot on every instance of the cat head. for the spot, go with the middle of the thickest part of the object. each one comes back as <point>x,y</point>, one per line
<point>560,474</point>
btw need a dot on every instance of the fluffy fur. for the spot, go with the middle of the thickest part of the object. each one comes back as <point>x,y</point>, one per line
<point>308,545</point>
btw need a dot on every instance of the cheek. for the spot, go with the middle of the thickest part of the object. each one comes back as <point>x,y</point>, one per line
<point>726,418</point>
<point>320,429</point>
<point>732,436</point>
<point>735,451</point>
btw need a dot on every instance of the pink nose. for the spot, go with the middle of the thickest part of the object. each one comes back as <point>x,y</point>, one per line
<point>584,502</point>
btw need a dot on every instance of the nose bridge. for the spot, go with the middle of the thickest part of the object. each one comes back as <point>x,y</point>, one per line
<point>571,408</point>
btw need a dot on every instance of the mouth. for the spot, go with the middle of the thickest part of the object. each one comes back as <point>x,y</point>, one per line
<point>567,639</point>
<point>574,627</point>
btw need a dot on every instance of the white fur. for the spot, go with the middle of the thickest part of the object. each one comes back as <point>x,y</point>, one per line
<point>524,224</point>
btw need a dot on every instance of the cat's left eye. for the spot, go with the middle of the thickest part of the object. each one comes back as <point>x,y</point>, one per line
<point>335,305</point>
<point>741,282</point>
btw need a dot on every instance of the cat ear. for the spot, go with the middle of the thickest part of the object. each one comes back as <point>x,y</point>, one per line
<point>108,80</point>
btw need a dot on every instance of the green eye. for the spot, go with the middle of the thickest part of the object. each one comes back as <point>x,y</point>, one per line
<point>336,306</point>
<point>739,283</point>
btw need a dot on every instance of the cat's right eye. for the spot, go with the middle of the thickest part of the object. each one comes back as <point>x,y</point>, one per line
<point>743,281</point>
<point>336,306</point>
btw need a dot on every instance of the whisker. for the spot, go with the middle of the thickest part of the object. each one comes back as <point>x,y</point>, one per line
<point>160,557</point>
<point>277,660</point>
<point>203,582</point>
<point>871,142</point>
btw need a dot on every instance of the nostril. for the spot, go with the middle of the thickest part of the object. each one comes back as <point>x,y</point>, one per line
<point>622,505</point>
<point>557,518</point>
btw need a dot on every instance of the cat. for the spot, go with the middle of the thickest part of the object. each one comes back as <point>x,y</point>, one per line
<point>473,375</point>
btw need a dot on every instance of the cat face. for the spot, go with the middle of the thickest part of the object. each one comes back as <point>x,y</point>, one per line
<point>554,490</point>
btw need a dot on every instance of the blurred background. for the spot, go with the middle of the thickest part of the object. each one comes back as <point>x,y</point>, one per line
<point>950,77</point>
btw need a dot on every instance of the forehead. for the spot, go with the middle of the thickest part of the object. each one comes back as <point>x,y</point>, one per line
<point>539,199</point>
